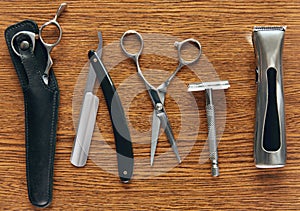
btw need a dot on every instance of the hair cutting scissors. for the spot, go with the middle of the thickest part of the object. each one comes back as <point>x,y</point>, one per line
<point>48,46</point>
<point>158,94</point>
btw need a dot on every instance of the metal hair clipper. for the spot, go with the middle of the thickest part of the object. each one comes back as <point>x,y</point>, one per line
<point>269,141</point>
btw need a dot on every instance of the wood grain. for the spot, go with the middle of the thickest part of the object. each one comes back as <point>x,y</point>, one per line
<point>222,28</point>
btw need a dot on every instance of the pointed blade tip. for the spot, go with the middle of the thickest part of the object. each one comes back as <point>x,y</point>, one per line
<point>100,40</point>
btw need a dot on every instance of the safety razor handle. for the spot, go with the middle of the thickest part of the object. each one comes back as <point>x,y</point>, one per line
<point>270,141</point>
<point>212,134</point>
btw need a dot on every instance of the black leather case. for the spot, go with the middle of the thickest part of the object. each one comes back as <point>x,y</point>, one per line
<point>41,113</point>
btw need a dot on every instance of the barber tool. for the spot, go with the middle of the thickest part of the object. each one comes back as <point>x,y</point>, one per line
<point>158,94</point>
<point>211,121</point>
<point>31,58</point>
<point>117,116</point>
<point>269,141</point>
<point>48,46</point>
<point>87,118</point>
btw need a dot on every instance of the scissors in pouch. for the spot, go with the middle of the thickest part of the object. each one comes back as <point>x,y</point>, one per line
<point>158,94</point>
<point>48,46</point>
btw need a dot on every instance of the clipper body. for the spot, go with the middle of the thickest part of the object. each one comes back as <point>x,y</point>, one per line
<point>269,140</point>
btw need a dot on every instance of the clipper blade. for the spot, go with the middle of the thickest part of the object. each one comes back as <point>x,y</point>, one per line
<point>269,28</point>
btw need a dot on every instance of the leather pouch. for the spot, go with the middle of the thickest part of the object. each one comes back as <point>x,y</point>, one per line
<point>41,103</point>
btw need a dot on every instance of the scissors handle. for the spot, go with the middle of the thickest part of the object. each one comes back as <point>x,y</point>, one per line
<point>54,22</point>
<point>182,62</point>
<point>59,11</point>
<point>136,55</point>
<point>50,46</point>
<point>180,45</point>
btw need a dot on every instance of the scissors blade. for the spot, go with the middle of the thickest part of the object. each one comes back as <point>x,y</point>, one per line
<point>168,130</point>
<point>156,128</point>
<point>154,136</point>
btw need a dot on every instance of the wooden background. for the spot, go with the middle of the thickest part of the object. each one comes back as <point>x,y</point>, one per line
<point>222,28</point>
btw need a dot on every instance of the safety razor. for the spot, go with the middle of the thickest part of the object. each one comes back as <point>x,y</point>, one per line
<point>269,140</point>
<point>208,87</point>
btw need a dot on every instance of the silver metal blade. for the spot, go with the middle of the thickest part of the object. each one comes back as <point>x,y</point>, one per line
<point>215,85</point>
<point>155,128</point>
<point>85,130</point>
<point>87,117</point>
<point>91,80</point>
<point>168,130</point>
<point>99,49</point>
<point>154,136</point>
<point>162,91</point>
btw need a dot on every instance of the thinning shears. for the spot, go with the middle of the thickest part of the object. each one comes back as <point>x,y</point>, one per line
<point>48,46</point>
<point>158,94</point>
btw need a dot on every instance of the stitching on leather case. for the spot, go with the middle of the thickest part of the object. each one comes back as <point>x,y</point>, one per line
<point>40,76</point>
<point>26,86</point>
<point>52,140</point>
<point>55,93</point>
<point>50,156</point>
<point>9,29</point>
<point>27,146</point>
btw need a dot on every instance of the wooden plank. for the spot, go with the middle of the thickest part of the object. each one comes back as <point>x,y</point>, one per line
<point>222,28</point>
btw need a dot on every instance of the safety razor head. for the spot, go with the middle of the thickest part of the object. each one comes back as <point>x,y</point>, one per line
<point>214,85</point>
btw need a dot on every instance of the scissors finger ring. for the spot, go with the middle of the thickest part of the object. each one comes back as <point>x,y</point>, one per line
<point>140,38</point>
<point>180,46</point>
<point>50,46</point>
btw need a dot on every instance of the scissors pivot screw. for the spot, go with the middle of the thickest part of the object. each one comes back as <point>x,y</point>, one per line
<point>125,172</point>
<point>24,45</point>
<point>94,60</point>
<point>158,106</point>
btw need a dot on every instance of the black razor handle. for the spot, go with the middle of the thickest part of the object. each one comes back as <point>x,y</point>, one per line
<point>117,117</point>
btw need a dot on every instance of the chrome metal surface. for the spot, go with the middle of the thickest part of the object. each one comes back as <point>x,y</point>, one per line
<point>24,45</point>
<point>157,95</point>
<point>32,37</point>
<point>268,45</point>
<point>215,85</point>
<point>50,46</point>
<point>85,130</point>
<point>87,117</point>
<point>211,120</point>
